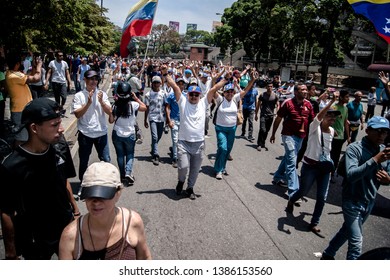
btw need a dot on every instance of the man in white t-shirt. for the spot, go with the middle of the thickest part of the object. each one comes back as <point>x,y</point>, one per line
<point>190,148</point>
<point>58,71</point>
<point>91,108</point>
<point>155,114</point>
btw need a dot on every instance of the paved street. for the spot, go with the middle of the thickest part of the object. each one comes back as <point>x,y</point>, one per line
<point>239,217</point>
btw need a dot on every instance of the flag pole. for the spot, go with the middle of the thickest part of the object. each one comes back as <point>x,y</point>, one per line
<point>150,36</point>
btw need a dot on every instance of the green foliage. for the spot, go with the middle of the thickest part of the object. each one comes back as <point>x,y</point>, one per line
<point>275,28</point>
<point>197,36</point>
<point>69,25</point>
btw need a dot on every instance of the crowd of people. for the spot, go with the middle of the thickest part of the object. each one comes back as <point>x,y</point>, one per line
<point>183,97</point>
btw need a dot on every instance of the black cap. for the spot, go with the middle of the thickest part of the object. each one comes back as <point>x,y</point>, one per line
<point>91,73</point>
<point>40,110</point>
<point>123,89</point>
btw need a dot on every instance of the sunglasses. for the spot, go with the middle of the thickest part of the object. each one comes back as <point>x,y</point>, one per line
<point>381,130</point>
<point>193,94</point>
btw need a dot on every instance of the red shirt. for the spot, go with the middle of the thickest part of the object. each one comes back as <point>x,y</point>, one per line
<point>292,113</point>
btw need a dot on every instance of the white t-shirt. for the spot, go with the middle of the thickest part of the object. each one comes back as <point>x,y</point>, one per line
<point>314,148</point>
<point>192,119</point>
<point>124,127</point>
<point>58,71</point>
<point>94,122</point>
<point>227,112</point>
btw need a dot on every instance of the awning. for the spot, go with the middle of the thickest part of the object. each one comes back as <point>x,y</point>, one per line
<point>379,67</point>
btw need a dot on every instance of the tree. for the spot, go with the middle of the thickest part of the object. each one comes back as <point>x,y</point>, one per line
<point>164,39</point>
<point>276,28</point>
<point>196,36</point>
<point>69,25</point>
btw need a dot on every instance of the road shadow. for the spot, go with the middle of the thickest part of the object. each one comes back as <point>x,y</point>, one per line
<point>380,209</point>
<point>208,170</point>
<point>252,145</point>
<point>169,193</point>
<point>163,160</point>
<point>276,190</point>
<point>297,222</point>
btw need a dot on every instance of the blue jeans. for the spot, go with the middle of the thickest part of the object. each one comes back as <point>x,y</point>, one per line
<point>287,168</point>
<point>76,83</point>
<point>85,148</point>
<point>309,175</point>
<point>124,148</point>
<point>225,141</point>
<point>355,214</point>
<point>175,138</point>
<point>156,130</point>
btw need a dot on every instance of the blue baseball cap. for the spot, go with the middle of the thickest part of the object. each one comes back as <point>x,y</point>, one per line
<point>194,89</point>
<point>377,122</point>
<point>228,87</point>
<point>187,71</point>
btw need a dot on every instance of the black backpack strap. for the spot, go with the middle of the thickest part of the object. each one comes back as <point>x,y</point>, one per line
<point>216,111</point>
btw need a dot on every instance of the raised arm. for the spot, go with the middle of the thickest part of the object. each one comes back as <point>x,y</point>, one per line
<point>213,91</point>
<point>171,82</point>
<point>254,77</point>
<point>322,113</point>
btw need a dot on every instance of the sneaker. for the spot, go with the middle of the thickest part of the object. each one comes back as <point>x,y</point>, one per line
<point>125,182</point>
<point>190,193</point>
<point>130,178</point>
<point>298,202</point>
<point>225,173</point>
<point>230,158</point>
<point>251,138</point>
<point>179,187</point>
<point>326,257</point>
<point>258,148</point>
<point>174,163</point>
<point>219,176</point>
<point>156,160</point>
<point>242,134</point>
<point>280,183</point>
<point>139,141</point>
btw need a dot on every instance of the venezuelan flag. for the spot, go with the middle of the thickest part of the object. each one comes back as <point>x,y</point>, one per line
<point>138,22</point>
<point>378,12</point>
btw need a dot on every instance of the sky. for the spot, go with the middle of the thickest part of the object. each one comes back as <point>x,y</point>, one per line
<point>201,12</point>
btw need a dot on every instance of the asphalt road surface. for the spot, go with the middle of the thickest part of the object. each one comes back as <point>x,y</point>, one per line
<point>241,217</point>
